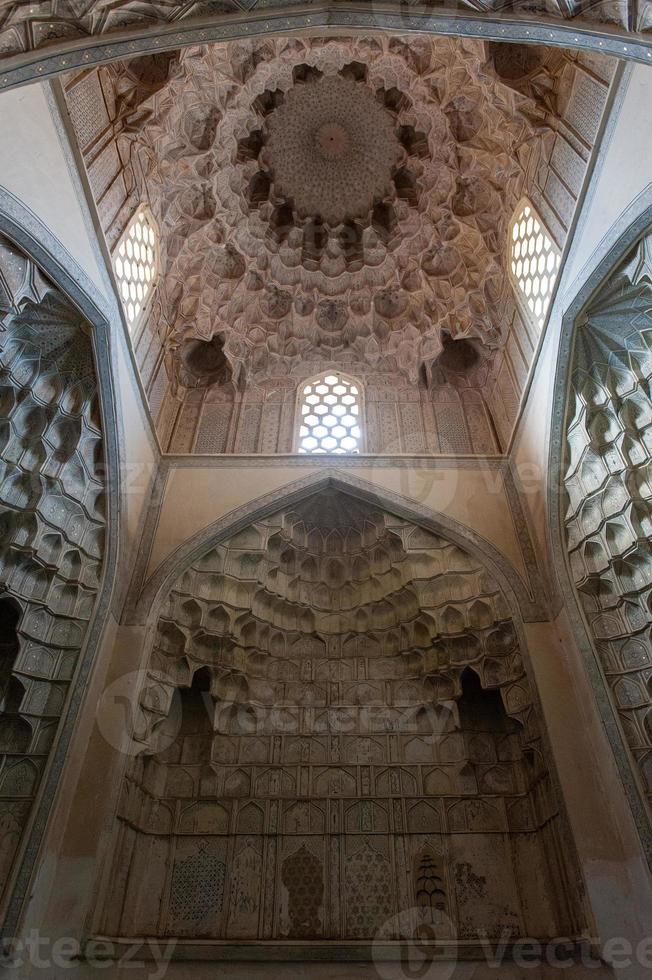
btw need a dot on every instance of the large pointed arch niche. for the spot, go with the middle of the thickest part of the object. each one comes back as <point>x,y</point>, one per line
<point>336,726</point>
<point>605,515</point>
<point>53,465</point>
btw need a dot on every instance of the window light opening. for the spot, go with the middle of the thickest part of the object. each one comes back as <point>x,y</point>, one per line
<point>135,262</point>
<point>534,262</point>
<point>330,416</point>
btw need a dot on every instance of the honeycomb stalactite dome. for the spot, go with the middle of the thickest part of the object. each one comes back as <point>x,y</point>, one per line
<point>332,149</point>
<point>329,204</point>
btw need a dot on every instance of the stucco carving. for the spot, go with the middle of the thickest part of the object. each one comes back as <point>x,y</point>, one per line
<point>299,188</point>
<point>52,518</point>
<point>330,148</point>
<point>281,290</point>
<point>337,714</point>
<point>607,481</point>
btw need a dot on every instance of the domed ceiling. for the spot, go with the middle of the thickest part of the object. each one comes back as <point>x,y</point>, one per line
<point>348,199</point>
<point>335,202</point>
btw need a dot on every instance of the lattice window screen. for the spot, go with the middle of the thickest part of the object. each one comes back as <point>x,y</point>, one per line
<point>330,416</point>
<point>135,262</point>
<point>533,261</point>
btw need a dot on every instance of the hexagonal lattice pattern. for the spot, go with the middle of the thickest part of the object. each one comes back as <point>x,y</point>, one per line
<point>534,262</point>
<point>136,263</point>
<point>197,886</point>
<point>368,892</point>
<point>330,416</point>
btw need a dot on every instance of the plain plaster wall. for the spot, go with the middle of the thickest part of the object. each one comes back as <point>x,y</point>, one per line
<point>33,167</point>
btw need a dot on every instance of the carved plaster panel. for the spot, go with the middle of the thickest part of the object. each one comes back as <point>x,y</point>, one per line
<point>57,24</point>
<point>234,153</point>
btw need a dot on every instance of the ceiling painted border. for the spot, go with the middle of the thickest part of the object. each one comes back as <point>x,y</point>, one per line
<point>320,17</point>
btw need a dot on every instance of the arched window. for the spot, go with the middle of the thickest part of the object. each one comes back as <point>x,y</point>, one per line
<point>533,262</point>
<point>329,415</point>
<point>135,262</point>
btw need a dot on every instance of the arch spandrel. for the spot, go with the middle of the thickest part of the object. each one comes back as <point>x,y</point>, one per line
<point>148,586</point>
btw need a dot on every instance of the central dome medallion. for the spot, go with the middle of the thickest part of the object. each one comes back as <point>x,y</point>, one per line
<point>332,140</point>
<point>332,149</point>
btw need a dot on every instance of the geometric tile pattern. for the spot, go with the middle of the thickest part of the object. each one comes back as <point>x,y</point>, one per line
<point>368,889</point>
<point>197,887</point>
<point>303,876</point>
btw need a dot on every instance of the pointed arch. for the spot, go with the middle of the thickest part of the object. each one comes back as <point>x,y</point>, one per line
<point>585,331</point>
<point>148,596</point>
<point>308,720</point>
<point>42,251</point>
